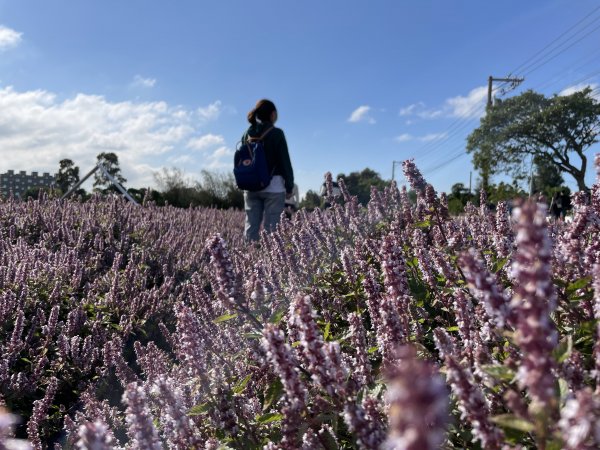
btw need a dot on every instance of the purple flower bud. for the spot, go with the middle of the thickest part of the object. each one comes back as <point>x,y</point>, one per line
<point>141,429</point>
<point>534,301</point>
<point>413,176</point>
<point>579,421</point>
<point>418,403</point>
<point>285,365</point>
<point>471,401</point>
<point>94,436</point>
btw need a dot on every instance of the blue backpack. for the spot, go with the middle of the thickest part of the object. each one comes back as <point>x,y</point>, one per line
<point>250,167</point>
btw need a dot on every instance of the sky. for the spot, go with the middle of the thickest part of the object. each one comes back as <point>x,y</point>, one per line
<point>357,84</point>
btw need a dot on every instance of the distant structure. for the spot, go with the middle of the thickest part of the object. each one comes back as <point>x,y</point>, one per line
<point>18,183</point>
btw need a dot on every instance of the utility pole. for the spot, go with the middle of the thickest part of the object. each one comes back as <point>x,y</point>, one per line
<point>514,82</point>
<point>394,168</point>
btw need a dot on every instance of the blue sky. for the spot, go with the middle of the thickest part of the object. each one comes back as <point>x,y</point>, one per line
<point>357,83</point>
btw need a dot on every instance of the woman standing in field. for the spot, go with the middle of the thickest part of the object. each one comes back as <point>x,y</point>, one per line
<point>266,206</point>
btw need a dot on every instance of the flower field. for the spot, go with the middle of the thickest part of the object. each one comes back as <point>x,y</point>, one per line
<point>391,326</point>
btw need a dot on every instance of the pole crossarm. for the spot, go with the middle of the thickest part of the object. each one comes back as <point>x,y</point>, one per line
<point>514,83</point>
<point>112,179</point>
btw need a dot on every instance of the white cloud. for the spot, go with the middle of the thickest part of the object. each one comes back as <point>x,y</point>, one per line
<point>433,137</point>
<point>210,112</point>
<point>471,106</point>
<point>361,114</point>
<point>427,138</point>
<point>403,138</point>
<point>580,87</point>
<point>37,130</point>
<point>419,109</point>
<point>411,109</point>
<point>221,158</point>
<point>204,142</point>
<point>9,38</point>
<point>139,81</point>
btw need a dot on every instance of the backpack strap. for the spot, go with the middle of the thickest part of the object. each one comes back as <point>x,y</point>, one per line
<point>262,136</point>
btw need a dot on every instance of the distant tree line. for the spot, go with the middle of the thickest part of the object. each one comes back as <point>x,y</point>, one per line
<point>551,134</point>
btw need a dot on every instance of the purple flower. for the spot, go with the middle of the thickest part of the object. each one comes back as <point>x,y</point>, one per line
<point>322,359</point>
<point>483,285</point>
<point>280,355</point>
<point>369,433</point>
<point>40,414</point>
<point>361,364</point>
<point>94,436</point>
<point>223,268</point>
<point>471,401</point>
<point>141,429</point>
<point>579,422</point>
<point>534,300</point>
<point>413,176</point>
<point>418,403</point>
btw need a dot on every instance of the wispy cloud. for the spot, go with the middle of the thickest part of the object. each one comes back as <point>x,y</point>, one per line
<point>9,38</point>
<point>427,138</point>
<point>361,114</point>
<point>419,109</point>
<point>219,159</point>
<point>580,87</point>
<point>470,106</point>
<point>205,142</point>
<point>210,112</point>
<point>405,137</point>
<point>433,137</point>
<point>40,129</point>
<point>139,81</point>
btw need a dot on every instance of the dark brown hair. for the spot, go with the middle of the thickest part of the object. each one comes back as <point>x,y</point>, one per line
<point>262,111</point>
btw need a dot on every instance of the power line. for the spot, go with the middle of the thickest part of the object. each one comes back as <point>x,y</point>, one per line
<point>543,63</point>
<point>524,65</point>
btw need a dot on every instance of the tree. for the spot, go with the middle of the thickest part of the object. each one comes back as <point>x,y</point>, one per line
<point>458,198</point>
<point>67,176</point>
<point>359,183</point>
<point>176,190</point>
<point>110,161</point>
<point>311,200</point>
<point>555,131</point>
<point>547,179</point>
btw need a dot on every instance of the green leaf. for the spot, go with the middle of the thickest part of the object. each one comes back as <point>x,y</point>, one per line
<point>253,335</point>
<point>269,418</point>
<point>327,331</point>
<point>198,410</point>
<point>501,373</point>
<point>564,349</point>
<point>578,284</point>
<point>272,394</point>
<point>455,328</point>
<point>423,224</point>
<point>239,388</point>
<point>499,265</point>
<point>277,316</point>
<point>372,350</point>
<point>225,318</point>
<point>513,422</point>
<point>328,440</point>
<point>563,389</point>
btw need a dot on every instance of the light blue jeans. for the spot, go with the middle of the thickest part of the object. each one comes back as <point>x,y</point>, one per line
<point>259,206</point>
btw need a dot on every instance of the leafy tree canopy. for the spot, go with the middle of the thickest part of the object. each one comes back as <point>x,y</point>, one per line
<point>555,131</point>
<point>67,176</point>
<point>110,161</point>
<point>359,183</point>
